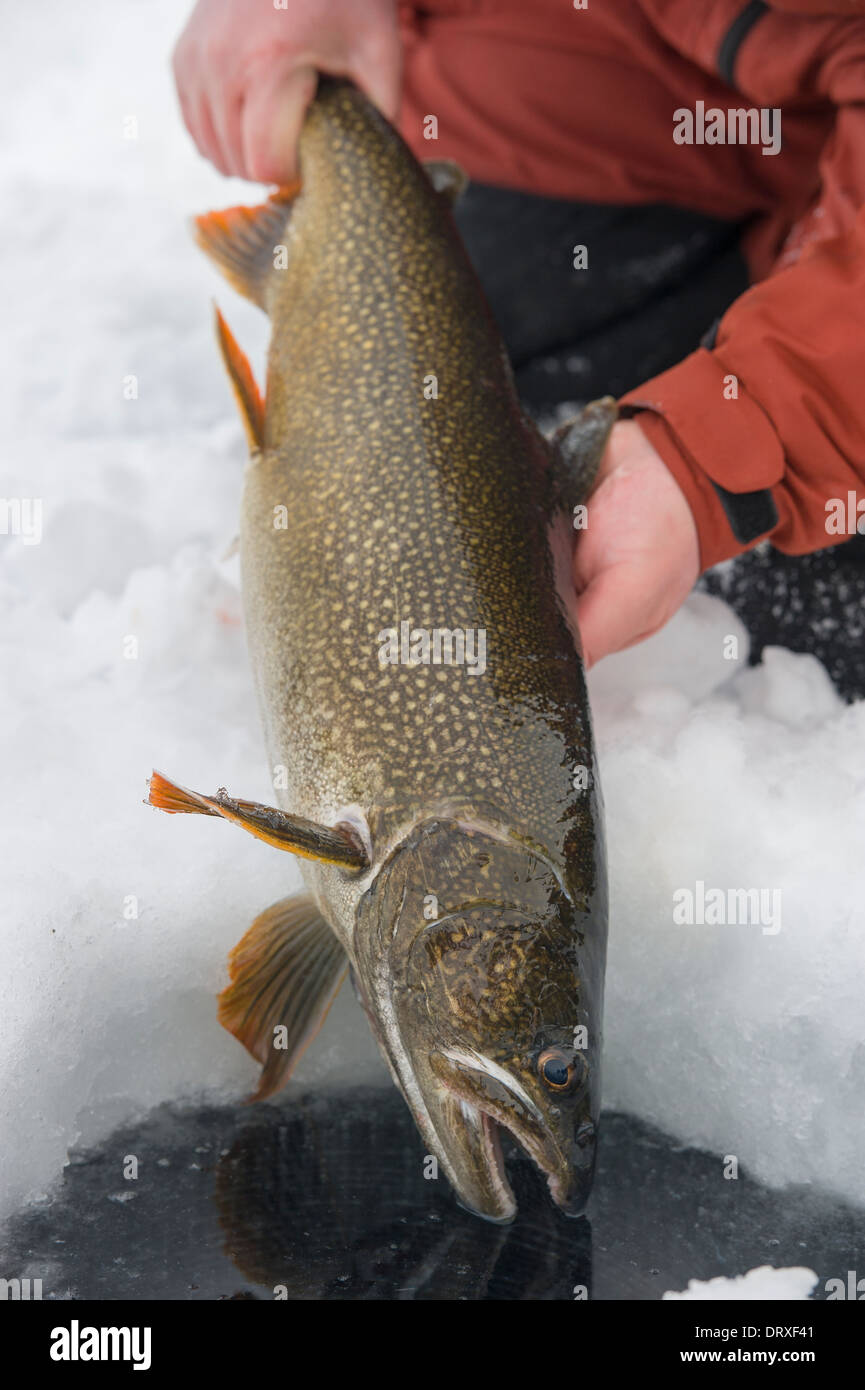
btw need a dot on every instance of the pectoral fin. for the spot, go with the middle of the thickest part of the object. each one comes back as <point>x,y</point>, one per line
<point>578,447</point>
<point>285,974</point>
<point>333,845</point>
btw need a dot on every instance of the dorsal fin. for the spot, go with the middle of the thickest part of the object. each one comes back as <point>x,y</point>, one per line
<point>243,383</point>
<point>242,240</point>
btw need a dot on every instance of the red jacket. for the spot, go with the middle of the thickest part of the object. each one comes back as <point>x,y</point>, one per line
<point>579,103</point>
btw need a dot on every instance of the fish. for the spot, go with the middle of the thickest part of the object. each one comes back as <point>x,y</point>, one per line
<point>405,546</point>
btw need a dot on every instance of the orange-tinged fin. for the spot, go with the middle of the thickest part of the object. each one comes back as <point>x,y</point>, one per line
<point>168,796</point>
<point>242,241</point>
<point>294,833</point>
<point>285,974</point>
<point>243,384</point>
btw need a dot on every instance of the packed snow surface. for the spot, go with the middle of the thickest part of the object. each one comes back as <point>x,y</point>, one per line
<point>731,793</point>
<point>763,1284</point>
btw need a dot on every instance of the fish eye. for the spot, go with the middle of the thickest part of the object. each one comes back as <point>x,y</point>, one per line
<point>558,1069</point>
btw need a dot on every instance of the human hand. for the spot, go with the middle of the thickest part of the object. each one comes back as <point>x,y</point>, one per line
<point>639,556</point>
<point>246,73</point>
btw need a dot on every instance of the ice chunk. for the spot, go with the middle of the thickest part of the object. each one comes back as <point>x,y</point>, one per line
<point>698,651</point>
<point>764,1283</point>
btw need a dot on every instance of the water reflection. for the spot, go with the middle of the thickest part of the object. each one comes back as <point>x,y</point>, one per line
<point>331,1202</point>
<point>324,1197</point>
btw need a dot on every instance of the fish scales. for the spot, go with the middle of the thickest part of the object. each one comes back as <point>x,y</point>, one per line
<point>402,508</point>
<point>475,927</point>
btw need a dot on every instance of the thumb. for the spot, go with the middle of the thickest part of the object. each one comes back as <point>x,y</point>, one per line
<point>612,613</point>
<point>272,118</point>
<point>377,69</point>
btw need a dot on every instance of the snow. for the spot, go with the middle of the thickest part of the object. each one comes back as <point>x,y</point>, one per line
<point>123,649</point>
<point>742,1038</point>
<point>764,1284</point>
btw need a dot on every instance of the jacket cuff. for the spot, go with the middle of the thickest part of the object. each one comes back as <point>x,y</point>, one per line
<point>708,430</point>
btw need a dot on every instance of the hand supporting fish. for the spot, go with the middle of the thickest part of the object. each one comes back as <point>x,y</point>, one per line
<point>448,817</point>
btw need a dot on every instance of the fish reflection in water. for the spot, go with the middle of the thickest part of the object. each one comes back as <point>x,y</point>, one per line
<point>324,1197</point>
<point>328,1200</point>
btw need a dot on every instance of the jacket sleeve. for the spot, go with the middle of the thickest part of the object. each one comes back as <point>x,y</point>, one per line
<point>779,401</point>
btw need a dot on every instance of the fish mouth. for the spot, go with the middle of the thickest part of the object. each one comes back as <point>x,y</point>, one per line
<point>470,1132</point>
<point>477,1161</point>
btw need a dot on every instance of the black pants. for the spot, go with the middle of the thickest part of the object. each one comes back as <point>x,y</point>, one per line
<point>656,280</point>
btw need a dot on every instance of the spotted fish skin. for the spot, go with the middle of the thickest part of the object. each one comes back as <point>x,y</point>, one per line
<point>399,482</point>
<point>434,511</point>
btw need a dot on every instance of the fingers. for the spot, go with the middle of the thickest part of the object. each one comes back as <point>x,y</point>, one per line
<point>277,98</point>
<point>197,119</point>
<point>377,69</point>
<point>613,613</point>
<point>272,117</point>
<point>223,108</point>
<point>639,556</point>
<point>246,77</point>
<point>193,104</point>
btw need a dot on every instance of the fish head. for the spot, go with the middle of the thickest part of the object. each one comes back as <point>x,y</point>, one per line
<point>476,971</point>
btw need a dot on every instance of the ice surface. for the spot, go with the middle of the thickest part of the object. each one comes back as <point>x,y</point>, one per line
<point>746,1042</point>
<point>744,1037</point>
<point>765,1283</point>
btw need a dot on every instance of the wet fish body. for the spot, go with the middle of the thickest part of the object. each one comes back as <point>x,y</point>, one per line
<point>405,544</point>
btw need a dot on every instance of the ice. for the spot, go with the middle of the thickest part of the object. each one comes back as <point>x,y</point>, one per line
<point>764,1284</point>
<point>122,648</point>
<point>681,664</point>
<point>744,1038</point>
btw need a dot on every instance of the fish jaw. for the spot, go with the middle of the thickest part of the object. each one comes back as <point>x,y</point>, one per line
<point>463,1138</point>
<point>461,1102</point>
<point>470,1151</point>
<point>465,1007</point>
<point>481,1102</point>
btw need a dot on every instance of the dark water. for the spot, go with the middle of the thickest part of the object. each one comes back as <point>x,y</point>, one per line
<point>325,1197</point>
<point>806,603</point>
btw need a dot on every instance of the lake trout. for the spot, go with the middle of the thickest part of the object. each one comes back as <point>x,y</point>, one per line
<point>405,540</point>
